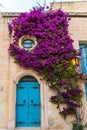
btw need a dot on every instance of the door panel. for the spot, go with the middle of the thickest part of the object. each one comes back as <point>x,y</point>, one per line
<point>21,114</point>
<point>28,104</point>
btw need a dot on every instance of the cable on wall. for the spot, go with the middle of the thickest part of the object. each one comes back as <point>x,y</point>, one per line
<point>51,7</point>
<point>44,3</point>
<point>60,4</point>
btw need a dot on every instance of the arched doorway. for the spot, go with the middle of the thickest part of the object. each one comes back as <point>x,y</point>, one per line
<point>28,112</point>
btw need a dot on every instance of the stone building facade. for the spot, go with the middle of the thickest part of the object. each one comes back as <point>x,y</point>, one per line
<point>11,73</point>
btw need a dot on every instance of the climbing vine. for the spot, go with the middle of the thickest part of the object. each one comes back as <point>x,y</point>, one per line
<point>52,56</point>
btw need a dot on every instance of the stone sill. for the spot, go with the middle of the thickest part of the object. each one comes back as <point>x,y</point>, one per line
<point>15,14</point>
<point>84,76</point>
<point>28,128</point>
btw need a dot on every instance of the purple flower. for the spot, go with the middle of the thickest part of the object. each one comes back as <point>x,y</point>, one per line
<point>52,55</point>
<point>52,99</point>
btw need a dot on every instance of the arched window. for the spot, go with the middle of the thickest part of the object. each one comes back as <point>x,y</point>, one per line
<point>28,78</point>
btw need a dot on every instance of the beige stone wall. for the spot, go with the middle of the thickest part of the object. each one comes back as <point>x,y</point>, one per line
<point>4,87</point>
<point>10,73</point>
<point>7,72</point>
<point>73,6</point>
<point>78,32</point>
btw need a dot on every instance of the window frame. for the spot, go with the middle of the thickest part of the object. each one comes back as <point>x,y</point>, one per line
<point>27,37</point>
<point>83,71</point>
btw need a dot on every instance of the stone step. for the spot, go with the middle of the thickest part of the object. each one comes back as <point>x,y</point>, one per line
<point>29,128</point>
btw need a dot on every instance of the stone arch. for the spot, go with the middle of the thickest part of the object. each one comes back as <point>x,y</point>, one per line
<point>43,91</point>
<point>33,73</point>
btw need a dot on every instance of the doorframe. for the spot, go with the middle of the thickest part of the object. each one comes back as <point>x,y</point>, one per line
<point>43,96</point>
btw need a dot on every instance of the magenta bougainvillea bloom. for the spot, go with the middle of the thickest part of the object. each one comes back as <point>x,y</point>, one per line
<point>52,56</point>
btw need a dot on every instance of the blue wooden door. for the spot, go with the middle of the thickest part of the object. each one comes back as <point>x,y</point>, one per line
<point>83,48</point>
<point>28,104</point>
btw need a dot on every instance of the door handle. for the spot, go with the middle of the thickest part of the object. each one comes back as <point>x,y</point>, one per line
<point>32,101</point>
<point>24,101</point>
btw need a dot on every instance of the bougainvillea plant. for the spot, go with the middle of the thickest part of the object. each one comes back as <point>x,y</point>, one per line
<point>52,56</point>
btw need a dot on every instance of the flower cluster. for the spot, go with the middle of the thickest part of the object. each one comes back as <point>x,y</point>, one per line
<point>52,56</point>
<point>70,97</point>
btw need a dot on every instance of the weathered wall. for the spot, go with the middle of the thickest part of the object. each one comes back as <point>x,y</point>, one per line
<point>4,87</point>
<point>78,31</point>
<point>10,72</point>
<point>73,6</point>
<point>7,70</point>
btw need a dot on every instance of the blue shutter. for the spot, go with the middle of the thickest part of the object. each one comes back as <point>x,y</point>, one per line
<point>86,90</point>
<point>83,48</point>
